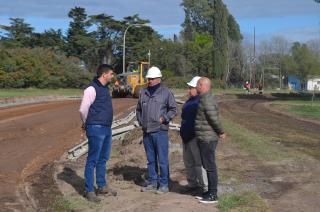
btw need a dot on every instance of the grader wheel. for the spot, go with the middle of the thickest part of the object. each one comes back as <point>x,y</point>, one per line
<point>137,91</point>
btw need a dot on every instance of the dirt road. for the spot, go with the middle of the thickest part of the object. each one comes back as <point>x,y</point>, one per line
<point>34,135</point>
<point>285,184</point>
<point>288,131</point>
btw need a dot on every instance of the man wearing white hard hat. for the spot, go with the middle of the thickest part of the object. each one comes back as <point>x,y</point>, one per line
<point>196,175</point>
<point>155,108</point>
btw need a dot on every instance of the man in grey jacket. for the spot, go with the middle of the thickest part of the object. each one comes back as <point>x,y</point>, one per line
<point>156,107</point>
<point>208,130</point>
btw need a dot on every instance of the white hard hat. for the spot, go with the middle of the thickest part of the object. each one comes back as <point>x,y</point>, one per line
<point>194,81</point>
<point>154,72</point>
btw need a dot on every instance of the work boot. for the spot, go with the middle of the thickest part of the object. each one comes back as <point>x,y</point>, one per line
<point>149,188</point>
<point>106,191</point>
<point>162,190</point>
<point>91,197</point>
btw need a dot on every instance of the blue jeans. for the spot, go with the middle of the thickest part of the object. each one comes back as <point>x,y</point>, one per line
<point>99,141</point>
<point>156,145</point>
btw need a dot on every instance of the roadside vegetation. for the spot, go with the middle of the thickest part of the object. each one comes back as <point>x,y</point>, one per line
<point>256,152</point>
<point>209,44</point>
<point>40,68</point>
<point>7,93</point>
<point>241,201</point>
<point>303,108</point>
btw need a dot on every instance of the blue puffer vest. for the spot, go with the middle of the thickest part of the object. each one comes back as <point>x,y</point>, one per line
<point>188,116</point>
<point>100,112</point>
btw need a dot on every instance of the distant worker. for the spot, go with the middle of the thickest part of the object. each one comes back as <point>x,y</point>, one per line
<point>156,107</point>
<point>208,130</point>
<point>196,175</point>
<point>260,88</point>
<point>247,86</point>
<point>97,114</point>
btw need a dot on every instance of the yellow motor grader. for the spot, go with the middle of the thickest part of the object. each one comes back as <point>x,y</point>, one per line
<point>130,83</point>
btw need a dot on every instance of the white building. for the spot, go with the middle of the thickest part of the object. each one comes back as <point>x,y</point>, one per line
<point>313,83</point>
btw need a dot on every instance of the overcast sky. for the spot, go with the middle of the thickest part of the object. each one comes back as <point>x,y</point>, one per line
<point>297,20</point>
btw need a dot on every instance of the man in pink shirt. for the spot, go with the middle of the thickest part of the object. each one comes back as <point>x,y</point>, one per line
<point>97,114</point>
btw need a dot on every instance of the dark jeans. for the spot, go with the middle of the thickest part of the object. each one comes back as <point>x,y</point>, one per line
<point>207,152</point>
<point>99,142</point>
<point>156,146</point>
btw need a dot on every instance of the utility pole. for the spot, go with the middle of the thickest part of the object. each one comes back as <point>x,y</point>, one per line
<point>124,45</point>
<point>149,58</point>
<point>254,57</point>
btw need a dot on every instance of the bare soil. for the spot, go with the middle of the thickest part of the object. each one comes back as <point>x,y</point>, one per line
<point>32,136</point>
<point>291,184</point>
<point>30,178</point>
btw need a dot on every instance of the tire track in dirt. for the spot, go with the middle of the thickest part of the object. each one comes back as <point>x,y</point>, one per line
<point>289,131</point>
<point>288,185</point>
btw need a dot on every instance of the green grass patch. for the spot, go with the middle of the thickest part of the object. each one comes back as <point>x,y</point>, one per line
<point>5,93</point>
<point>306,110</point>
<point>297,102</point>
<point>251,142</point>
<point>246,201</point>
<point>73,203</point>
<point>300,107</point>
<point>61,205</point>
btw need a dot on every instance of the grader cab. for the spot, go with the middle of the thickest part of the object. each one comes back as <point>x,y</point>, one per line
<point>130,83</point>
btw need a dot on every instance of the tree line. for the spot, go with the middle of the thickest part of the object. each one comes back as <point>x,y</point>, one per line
<point>210,44</point>
<point>95,39</point>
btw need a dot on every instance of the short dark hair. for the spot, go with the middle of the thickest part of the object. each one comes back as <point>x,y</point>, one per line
<point>103,68</point>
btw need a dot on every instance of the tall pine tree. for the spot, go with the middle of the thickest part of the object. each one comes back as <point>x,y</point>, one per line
<point>220,43</point>
<point>212,17</point>
<point>77,37</point>
<point>18,33</point>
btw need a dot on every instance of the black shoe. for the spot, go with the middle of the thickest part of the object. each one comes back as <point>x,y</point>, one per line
<point>202,195</point>
<point>209,199</point>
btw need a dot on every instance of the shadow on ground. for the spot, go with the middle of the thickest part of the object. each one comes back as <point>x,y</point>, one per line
<point>70,176</point>
<point>139,175</point>
<point>130,173</point>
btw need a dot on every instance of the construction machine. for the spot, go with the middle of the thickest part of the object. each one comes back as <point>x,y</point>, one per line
<point>130,83</point>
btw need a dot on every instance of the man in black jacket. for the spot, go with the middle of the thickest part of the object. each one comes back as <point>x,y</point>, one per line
<point>208,131</point>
